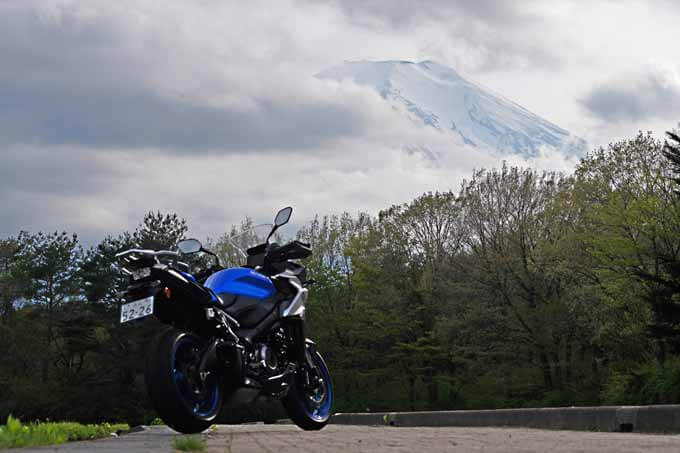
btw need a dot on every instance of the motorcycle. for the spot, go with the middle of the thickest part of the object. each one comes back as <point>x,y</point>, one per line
<point>234,334</point>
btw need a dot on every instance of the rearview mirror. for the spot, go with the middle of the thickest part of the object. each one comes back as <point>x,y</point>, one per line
<point>283,216</point>
<point>189,246</point>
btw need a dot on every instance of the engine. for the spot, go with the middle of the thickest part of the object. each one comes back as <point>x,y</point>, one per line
<point>270,358</point>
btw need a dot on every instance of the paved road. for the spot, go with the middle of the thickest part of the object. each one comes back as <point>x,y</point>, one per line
<point>345,439</point>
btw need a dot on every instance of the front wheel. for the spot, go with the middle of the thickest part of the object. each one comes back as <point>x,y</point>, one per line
<point>185,400</point>
<point>310,397</point>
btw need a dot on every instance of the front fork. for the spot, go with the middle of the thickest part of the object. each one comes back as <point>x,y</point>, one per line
<point>302,343</point>
<point>305,349</point>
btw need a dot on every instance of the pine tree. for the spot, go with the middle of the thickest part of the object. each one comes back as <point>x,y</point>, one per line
<point>160,232</point>
<point>672,152</point>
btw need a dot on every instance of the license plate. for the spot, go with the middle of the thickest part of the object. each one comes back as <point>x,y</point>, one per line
<point>141,273</point>
<point>137,309</point>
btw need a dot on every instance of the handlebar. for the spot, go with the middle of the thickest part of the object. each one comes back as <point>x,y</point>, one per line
<point>290,251</point>
<point>154,253</point>
<point>136,258</point>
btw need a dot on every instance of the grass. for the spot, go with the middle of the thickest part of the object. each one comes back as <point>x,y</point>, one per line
<point>189,443</point>
<point>16,434</point>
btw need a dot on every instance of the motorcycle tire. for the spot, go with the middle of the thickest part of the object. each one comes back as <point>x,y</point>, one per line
<point>172,390</point>
<point>306,408</point>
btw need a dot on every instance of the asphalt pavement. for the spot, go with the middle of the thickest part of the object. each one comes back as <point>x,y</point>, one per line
<point>338,438</point>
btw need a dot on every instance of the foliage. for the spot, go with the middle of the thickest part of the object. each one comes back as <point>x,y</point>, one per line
<point>159,231</point>
<point>672,154</point>
<point>512,256</point>
<point>633,225</point>
<point>45,265</point>
<point>646,383</point>
<point>15,434</point>
<point>9,286</point>
<point>189,443</point>
<point>67,356</point>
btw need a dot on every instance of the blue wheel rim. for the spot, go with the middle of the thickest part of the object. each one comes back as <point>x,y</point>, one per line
<point>202,399</point>
<point>319,403</point>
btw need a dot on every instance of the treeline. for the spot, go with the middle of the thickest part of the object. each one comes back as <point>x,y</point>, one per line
<point>64,355</point>
<point>522,289</point>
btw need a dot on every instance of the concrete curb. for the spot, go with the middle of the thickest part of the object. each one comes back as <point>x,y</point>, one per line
<point>647,419</point>
<point>134,429</point>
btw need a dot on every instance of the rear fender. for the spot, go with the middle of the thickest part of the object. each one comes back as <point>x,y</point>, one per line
<point>142,289</point>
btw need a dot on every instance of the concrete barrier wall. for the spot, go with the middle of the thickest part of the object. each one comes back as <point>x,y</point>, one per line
<point>650,419</point>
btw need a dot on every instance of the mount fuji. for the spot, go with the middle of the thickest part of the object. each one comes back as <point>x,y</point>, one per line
<point>440,98</point>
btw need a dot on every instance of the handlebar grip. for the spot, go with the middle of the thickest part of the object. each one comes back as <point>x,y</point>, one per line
<point>167,253</point>
<point>291,251</point>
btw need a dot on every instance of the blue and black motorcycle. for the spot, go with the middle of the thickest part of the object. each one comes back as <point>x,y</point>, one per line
<point>234,335</point>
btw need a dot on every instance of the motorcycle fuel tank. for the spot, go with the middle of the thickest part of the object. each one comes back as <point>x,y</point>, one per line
<point>241,281</point>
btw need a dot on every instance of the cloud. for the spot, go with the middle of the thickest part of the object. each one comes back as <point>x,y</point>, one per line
<point>408,12</point>
<point>98,192</point>
<point>130,117</point>
<point>474,35</point>
<point>652,92</point>
<point>210,109</point>
<point>71,77</point>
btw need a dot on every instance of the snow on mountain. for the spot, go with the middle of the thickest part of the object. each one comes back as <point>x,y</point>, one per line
<point>441,98</point>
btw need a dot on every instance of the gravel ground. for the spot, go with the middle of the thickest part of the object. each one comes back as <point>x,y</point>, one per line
<point>337,438</point>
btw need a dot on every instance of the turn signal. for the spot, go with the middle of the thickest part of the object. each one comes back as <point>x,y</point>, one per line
<point>167,292</point>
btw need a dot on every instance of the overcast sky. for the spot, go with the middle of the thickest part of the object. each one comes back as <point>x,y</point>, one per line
<point>209,108</point>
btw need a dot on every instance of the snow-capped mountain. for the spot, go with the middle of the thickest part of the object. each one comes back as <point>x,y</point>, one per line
<point>444,100</point>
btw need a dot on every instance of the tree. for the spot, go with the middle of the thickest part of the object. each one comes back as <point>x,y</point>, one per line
<point>671,152</point>
<point>332,310</point>
<point>101,281</point>
<point>633,221</point>
<point>9,287</point>
<point>513,260</point>
<point>159,232</point>
<point>672,264</point>
<point>230,245</point>
<point>44,268</point>
<point>47,265</point>
<point>427,231</point>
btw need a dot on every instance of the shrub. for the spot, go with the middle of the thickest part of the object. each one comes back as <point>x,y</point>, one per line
<point>15,434</point>
<point>651,383</point>
<point>189,443</point>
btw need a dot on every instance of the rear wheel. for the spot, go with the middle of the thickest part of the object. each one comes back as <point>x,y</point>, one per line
<point>310,398</point>
<point>185,400</point>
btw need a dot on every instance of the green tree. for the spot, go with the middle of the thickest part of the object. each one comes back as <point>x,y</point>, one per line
<point>513,261</point>
<point>331,309</point>
<point>47,265</point>
<point>427,232</point>
<point>159,231</point>
<point>229,246</point>
<point>45,268</point>
<point>101,281</point>
<point>9,286</point>
<point>671,152</point>
<point>670,260</point>
<point>633,222</point>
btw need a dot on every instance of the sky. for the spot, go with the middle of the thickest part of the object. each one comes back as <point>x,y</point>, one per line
<point>210,108</point>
